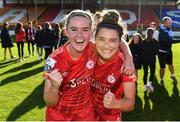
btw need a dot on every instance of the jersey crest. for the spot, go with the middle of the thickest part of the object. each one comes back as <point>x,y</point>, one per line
<point>111,78</point>
<point>90,64</point>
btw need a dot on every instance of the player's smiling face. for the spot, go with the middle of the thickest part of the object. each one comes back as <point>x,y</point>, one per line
<point>79,33</point>
<point>107,44</point>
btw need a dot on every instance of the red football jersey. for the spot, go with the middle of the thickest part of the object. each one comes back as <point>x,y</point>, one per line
<point>107,77</point>
<point>75,88</point>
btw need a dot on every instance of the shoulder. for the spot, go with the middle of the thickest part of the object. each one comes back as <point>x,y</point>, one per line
<point>56,58</point>
<point>120,56</point>
<point>91,50</point>
<point>22,30</point>
<point>58,52</point>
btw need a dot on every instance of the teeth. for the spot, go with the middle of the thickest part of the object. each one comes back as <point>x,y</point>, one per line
<point>106,51</point>
<point>79,40</point>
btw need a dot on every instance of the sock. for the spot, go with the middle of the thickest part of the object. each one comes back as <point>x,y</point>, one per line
<point>150,83</point>
<point>172,75</point>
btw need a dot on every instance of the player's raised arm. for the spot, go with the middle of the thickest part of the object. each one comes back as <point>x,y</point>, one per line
<point>51,88</point>
<point>126,104</point>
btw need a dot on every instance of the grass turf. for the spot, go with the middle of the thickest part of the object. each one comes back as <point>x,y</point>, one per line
<point>21,92</point>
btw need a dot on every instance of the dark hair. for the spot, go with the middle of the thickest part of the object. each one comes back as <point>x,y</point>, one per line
<point>109,25</point>
<point>47,25</point>
<point>39,27</point>
<point>112,15</point>
<point>57,27</point>
<point>166,18</point>
<point>148,34</point>
<point>132,38</point>
<point>5,24</point>
<point>19,26</point>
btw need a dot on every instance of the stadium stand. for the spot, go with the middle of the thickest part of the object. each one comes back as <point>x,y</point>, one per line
<point>16,14</point>
<point>49,15</point>
<point>172,12</point>
<point>52,11</point>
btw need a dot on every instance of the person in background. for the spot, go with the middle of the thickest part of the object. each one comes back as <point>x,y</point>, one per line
<point>48,38</point>
<point>97,18</point>
<point>20,35</point>
<point>125,35</point>
<point>38,42</point>
<point>156,32</point>
<point>149,50</point>
<point>63,35</point>
<point>155,35</point>
<point>135,47</point>
<point>30,33</point>
<point>109,84</point>
<point>165,54</point>
<point>57,32</point>
<point>6,41</point>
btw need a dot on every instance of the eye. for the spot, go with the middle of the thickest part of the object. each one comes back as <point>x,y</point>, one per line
<point>100,39</point>
<point>73,29</point>
<point>86,29</point>
<point>114,40</point>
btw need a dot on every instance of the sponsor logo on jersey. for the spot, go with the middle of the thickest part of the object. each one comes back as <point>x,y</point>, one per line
<point>101,87</point>
<point>76,82</point>
<point>90,64</point>
<point>111,78</point>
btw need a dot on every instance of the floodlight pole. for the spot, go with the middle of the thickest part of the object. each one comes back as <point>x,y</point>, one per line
<point>82,4</point>
<point>62,6</point>
<point>4,3</point>
<point>178,4</point>
<point>27,11</point>
<point>35,9</point>
<point>161,7</point>
<point>99,2</point>
<point>139,12</point>
<point>36,17</point>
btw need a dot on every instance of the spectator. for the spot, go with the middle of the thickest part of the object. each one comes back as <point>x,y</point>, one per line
<point>30,33</point>
<point>6,40</point>
<point>135,47</point>
<point>165,52</point>
<point>149,49</point>
<point>20,35</point>
<point>156,32</point>
<point>125,35</point>
<point>38,42</point>
<point>57,32</point>
<point>48,38</point>
<point>97,18</point>
<point>63,36</point>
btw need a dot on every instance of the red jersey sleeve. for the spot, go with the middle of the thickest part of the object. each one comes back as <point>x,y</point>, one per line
<point>130,78</point>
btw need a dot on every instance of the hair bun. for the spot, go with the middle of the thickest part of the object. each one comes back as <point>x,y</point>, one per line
<point>108,18</point>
